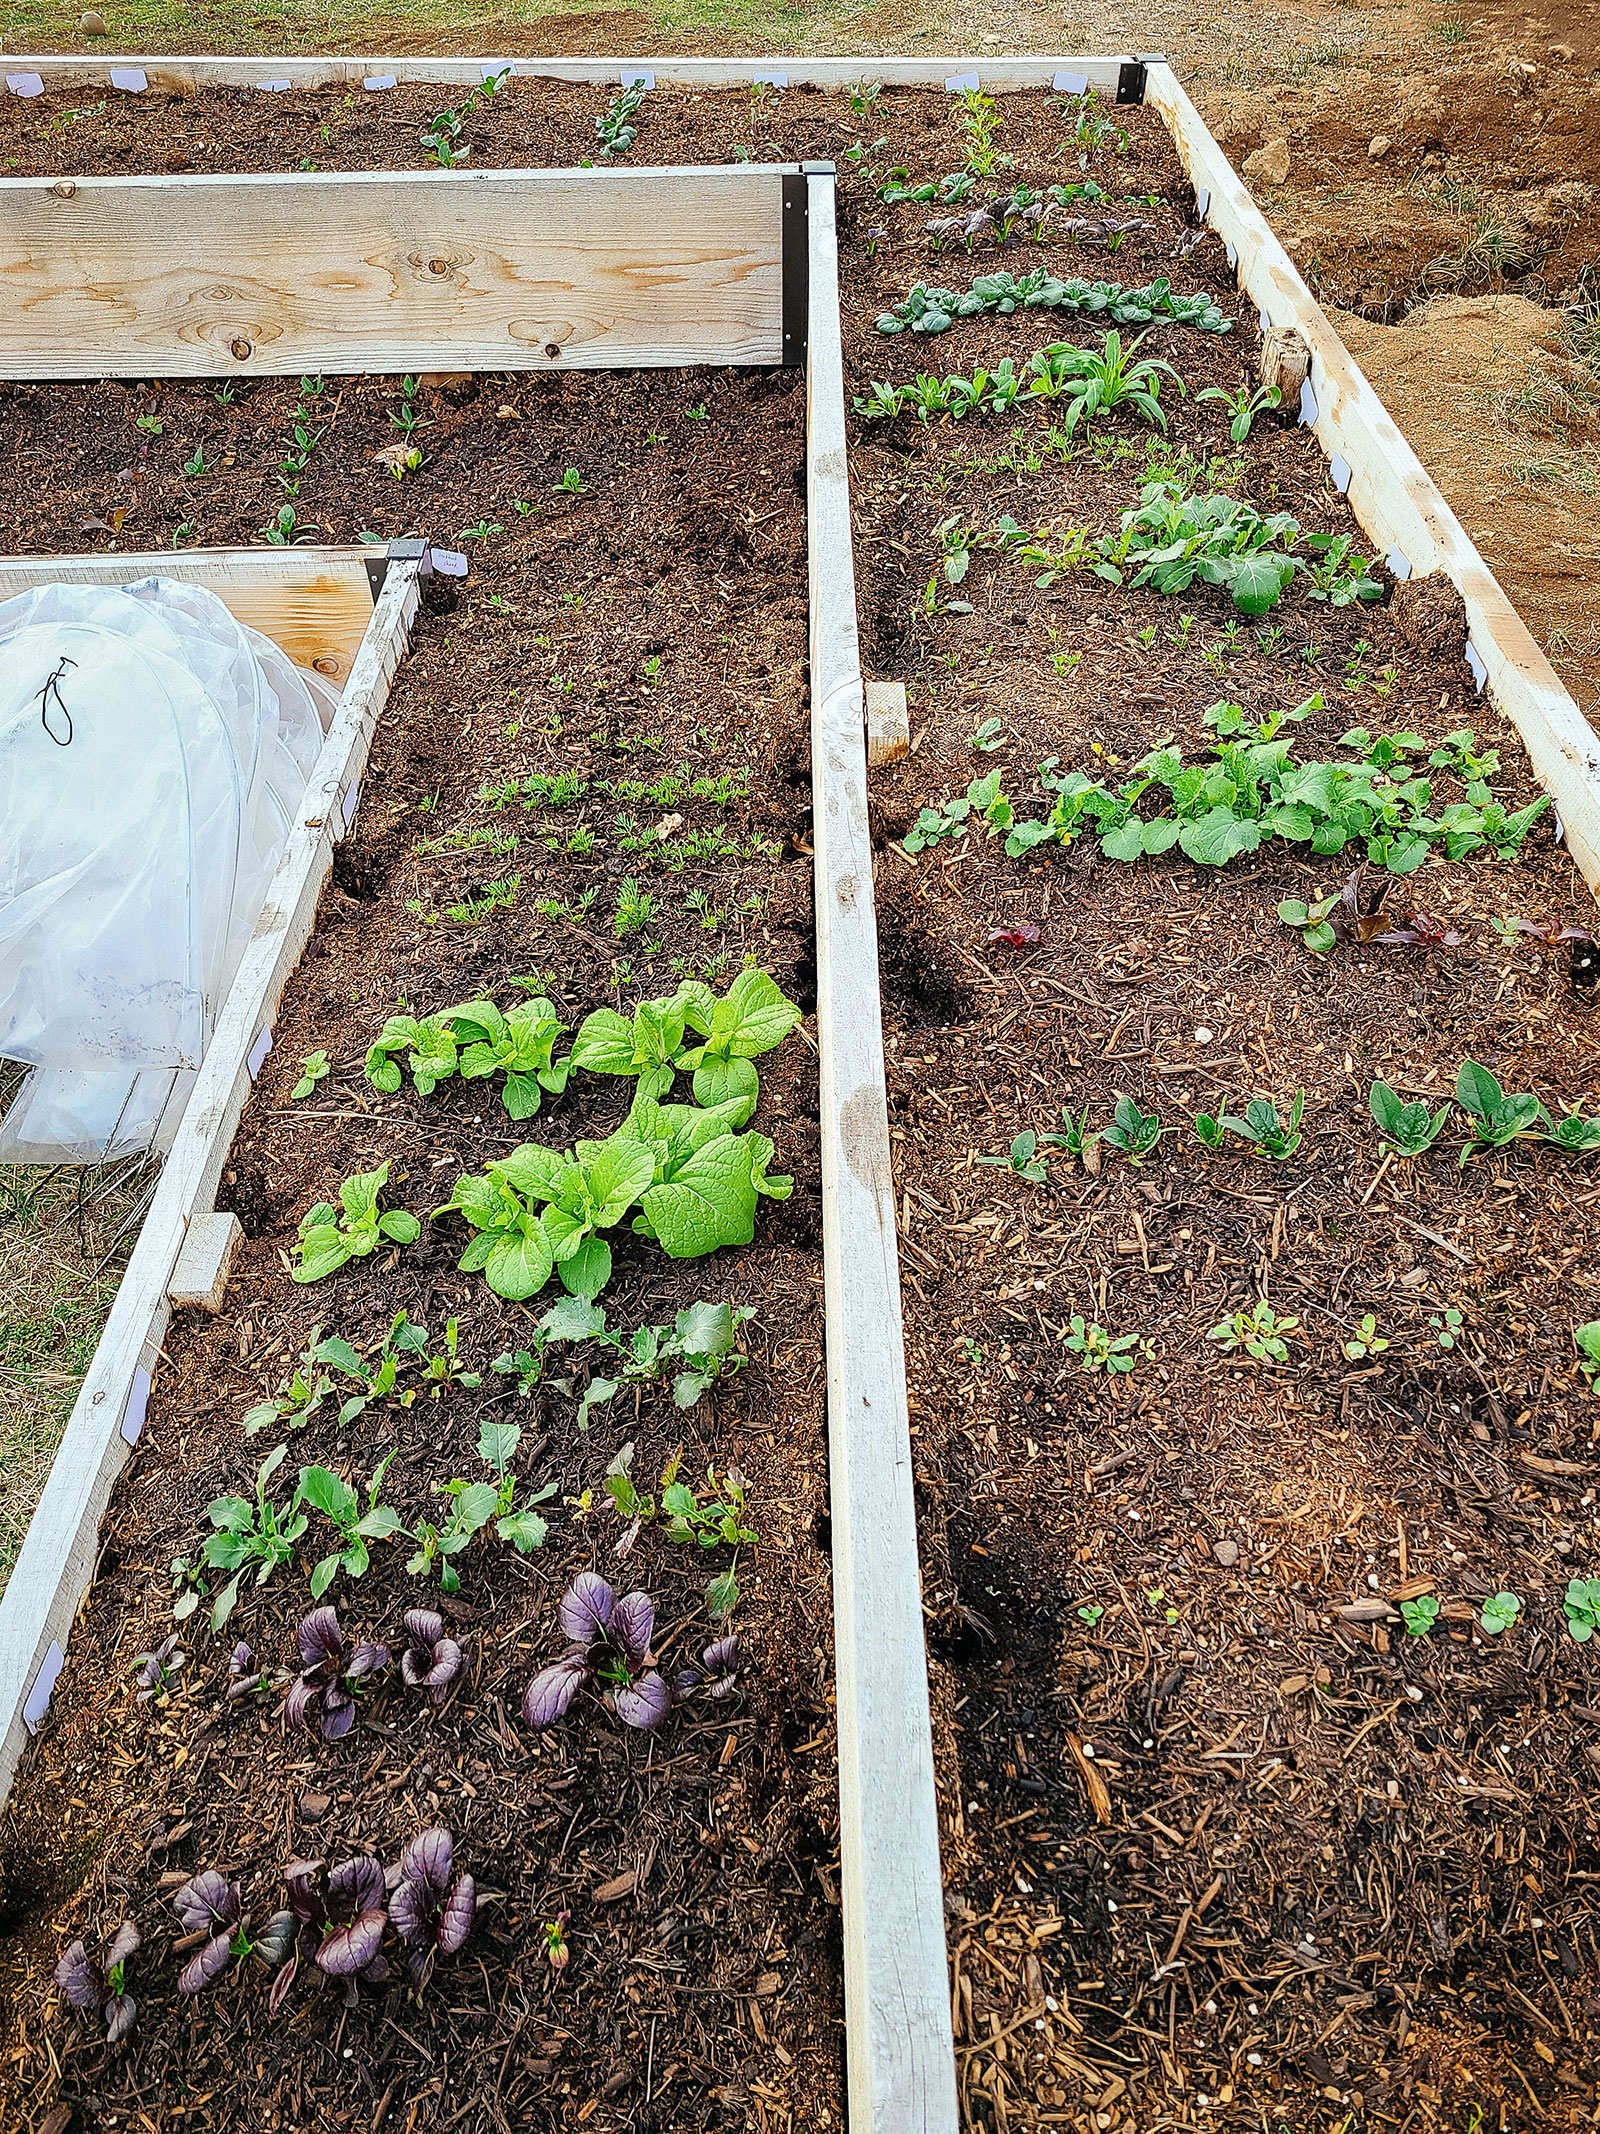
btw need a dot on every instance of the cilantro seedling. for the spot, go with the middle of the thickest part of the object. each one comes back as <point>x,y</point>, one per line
<point>1407,1129</point>
<point>1420,1615</point>
<point>314,1068</point>
<point>1581,1604</point>
<point>1022,1159</point>
<point>1499,1612</point>
<point>1259,1332</point>
<point>330,1236</point>
<point>1495,1118</point>
<point>1366,1340</point>
<point>1132,1131</point>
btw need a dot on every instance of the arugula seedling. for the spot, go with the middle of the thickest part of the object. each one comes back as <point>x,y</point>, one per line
<point>1495,1119</point>
<point>525,1529</point>
<point>328,1238</point>
<point>1022,1159</point>
<point>1366,1341</point>
<point>1420,1615</point>
<point>1498,1613</point>
<point>1259,1332</point>
<point>1581,1605</point>
<point>325,1492</point>
<point>261,1534</point>
<point>1262,1126</point>
<point>1407,1129</point>
<point>1133,1132</point>
<point>314,1068</point>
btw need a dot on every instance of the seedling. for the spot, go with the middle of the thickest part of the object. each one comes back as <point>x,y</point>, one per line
<point>1576,1135</point>
<point>159,1670</point>
<point>571,484</point>
<point>1262,1126</point>
<point>1259,1332</point>
<point>1408,1129</point>
<point>1090,1613</point>
<point>1582,1607</point>
<point>335,1921</point>
<point>1494,1118</point>
<point>246,1534</point>
<point>1022,1159</point>
<point>1586,1339</point>
<point>100,1982</point>
<point>1209,1132</point>
<point>1074,1136</point>
<point>328,1238</point>
<point>314,1068</point>
<point>331,1671</point>
<point>442,138</point>
<point>209,1904</point>
<point>988,737</point>
<point>1366,1340</point>
<point>1420,1615</point>
<point>325,1492</point>
<point>696,1351</point>
<point>430,1660</point>
<point>1157,1597</point>
<point>984,801</point>
<point>1310,921</point>
<point>432,1908</point>
<point>301,1394</point>
<point>1447,1326</point>
<point>1099,1351</point>
<point>1132,1131</point>
<point>617,134</point>
<point>1243,406</point>
<point>635,909</point>
<point>1498,1613</point>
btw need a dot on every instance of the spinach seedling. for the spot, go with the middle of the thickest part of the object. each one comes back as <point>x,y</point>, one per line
<point>328,1238</point>
<point>1495,1118</point>
<point>1022,1158</point>
<point>1209,1132</point>
<point>100,1983</point>
<point>1578,1136</point>
<point>1587,1341</point>
<point>1133,1131</point>
<point>1366,1340</point>
<point>1074,1136</point>
<point>614,127</point>
<point>260,1534</point>
<point>325,1492</point>
<point>1262,1126</point>
<point>1420,1615</point>
<point>1407,1129</point>
<point>1243,406</point>
<point>1259,1332</point>
<point>314,1068</point>
<point>1499,1612</point>
<point>1581,1604</point>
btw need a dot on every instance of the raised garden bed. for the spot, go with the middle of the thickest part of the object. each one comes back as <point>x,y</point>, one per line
<point>1224,1832</point>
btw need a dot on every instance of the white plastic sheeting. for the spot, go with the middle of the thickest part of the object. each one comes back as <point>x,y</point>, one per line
<point>153,751</point>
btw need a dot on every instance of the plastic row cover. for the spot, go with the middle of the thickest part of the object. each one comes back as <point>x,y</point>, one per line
<point>153,754</point>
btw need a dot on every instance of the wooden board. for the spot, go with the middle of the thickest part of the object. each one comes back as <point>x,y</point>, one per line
<point>897,1985</point>
<point>342,271</point>
<point>58,1556</point>
<point>315,603</point>
<point>1392,493</point>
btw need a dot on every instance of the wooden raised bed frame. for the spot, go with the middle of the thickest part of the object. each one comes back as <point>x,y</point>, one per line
<point>897,2006</point>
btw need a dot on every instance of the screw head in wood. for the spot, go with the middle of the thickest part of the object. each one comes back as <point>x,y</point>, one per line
<point>241,348</point>
<point>64,188</point>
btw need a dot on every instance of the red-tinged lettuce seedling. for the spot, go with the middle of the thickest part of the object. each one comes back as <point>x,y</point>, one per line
<point>430,1661</point>
<point>336,1923</point>
<point>330,1671</point>
<point>91,1982</point>
<point>430,1907</point>
<point>209,1904</point>
<point>610,1644</point>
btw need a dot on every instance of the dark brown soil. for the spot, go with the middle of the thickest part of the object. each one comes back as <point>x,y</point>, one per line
<point>1337,1874</point>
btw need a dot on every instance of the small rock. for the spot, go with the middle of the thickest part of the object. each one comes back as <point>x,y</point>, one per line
<point>314,1806</point>
<point>1561,51</point>
<point>1270,162</point>
<point>507,413</point>
<point>179,159</point>
<point>1226,1553</point>
<point>93,24</point>
<point>1379,146</point>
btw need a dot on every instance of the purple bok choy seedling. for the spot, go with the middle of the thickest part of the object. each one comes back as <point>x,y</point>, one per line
<point>209,1904</point>
<point>610,1644</point>
<point>330,1672</point>
<point>430,1907</point>
<point>430,1660</point>
<point>336,1923</point>
<point>97,1981</point>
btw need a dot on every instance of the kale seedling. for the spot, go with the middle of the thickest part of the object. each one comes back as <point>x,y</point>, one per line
<point>329,1671</point>
<point>1582,1607</point>
<point>328,1238</point>
<point>325,1492</point>
<point>1262,1126</point>
<point>209,1904</point>
<point>1133,1131</point>
<point>432,1907</point>
<point>100,1982</point>
<point>1366,1341</point>
<point>1407,1129</point>
<point>1259,1332</point>
<point>1022,1158</point>
<point>1420,1615</point>
<point>247,1534</point>
<point>1495,1118</point>
<point>1499,1612</point>
<point>1096,1350</point>
<point>314,1068</point>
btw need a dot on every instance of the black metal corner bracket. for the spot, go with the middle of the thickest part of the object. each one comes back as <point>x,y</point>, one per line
<point>797,260</point>
<point>1131,81</point>
<point>408,551</point>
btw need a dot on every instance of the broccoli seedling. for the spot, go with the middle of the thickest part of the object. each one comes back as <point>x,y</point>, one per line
<point>1259,1332</point>
<point>1366,1340</point>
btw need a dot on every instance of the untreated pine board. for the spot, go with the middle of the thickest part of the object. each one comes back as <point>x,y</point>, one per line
<point>58,1554</point>
<point>1391,492</point>
<point>344,271</point>
<point>314,603</point>
<point>901,2060</point>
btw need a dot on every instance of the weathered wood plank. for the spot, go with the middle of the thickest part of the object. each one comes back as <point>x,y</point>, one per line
<point>342,271</point>
<point>897,1990</point>
<point>57,1561</point>
<point>315,603</point>
<point>1392,493</point>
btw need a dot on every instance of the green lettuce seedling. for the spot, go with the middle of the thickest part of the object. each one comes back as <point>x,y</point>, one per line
<point>328,1237</point>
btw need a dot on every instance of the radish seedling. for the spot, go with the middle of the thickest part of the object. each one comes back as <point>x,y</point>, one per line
<point>1581,1606</point>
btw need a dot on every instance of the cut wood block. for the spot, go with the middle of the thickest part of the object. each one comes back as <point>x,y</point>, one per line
<point>205,1260</point>
<point>888,723</point>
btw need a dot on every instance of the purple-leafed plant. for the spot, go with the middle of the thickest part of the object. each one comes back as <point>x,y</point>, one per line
<point>97,1981</point>
<point>243,1674</point>
<point>431,1912</point>
<point>430,1661</point>
<point>331,1672</point>
<point>336,1923</point>
<point>158,1670</point>
<point>717,1673</point>
<point>210,1904</point>
<point>610,1644</point>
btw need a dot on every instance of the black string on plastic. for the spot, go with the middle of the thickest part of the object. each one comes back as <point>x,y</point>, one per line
<point>52,690</point>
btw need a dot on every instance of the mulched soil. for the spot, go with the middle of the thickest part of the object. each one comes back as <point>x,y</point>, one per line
<point>1221,1855</point>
